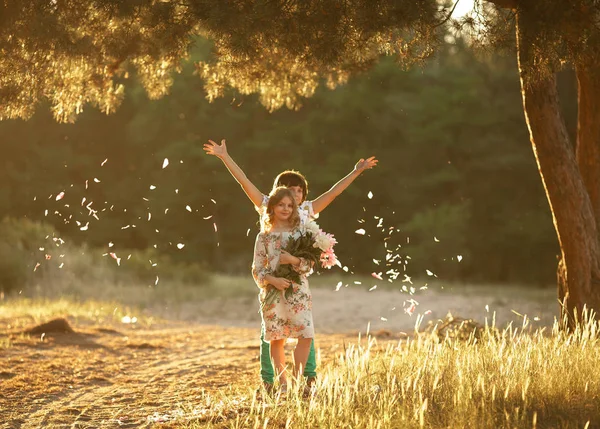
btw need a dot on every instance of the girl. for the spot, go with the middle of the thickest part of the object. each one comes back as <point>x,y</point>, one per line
<point>285,318</point>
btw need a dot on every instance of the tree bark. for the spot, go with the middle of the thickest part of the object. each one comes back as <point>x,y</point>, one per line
<point>588,131</point>
<point>570,204</point>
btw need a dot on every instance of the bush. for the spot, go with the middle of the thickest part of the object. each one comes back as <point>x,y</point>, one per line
<point>23,244</point>
<point>148,264</point>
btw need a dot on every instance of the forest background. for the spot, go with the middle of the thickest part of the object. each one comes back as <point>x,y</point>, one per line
<point>456,181</point>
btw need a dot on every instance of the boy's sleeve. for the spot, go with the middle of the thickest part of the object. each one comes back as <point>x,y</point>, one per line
<point>260,263</point>
<point>263,206</point>
<point>308,207</point>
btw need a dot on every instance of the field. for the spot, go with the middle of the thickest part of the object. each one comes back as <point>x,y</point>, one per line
<point>188,357</point>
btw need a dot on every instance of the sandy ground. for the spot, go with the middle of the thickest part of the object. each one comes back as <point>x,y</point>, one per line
<point>351,310</point>
<point>129,376</point>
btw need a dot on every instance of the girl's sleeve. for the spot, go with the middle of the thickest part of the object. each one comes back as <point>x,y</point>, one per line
<point>260,263</point>
<point>305,267</point>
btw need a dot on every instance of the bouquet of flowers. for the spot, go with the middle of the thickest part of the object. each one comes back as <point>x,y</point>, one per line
<point>311,244</point>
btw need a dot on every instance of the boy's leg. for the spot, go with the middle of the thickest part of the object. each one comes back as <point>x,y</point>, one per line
<point>266,367</point>
<point>310,370</point>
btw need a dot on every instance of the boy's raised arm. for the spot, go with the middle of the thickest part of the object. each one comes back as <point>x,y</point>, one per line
<point>321,202</point>
<point>220,151</point>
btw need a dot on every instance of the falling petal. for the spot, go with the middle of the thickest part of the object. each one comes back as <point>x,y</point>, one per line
<point>111,244</point>
<point>86,183</point>
<point>248,232</point>
<point>338,286</point>
<point>370,195</point>
<point>345,269</point>
<point>156,282</point>
<point>427,312</point>
<point>103,162</point>
<point>84,228</point>
<point>180,245</point>
<point>429,273</point>
<point>376,261</point>
<point>165,163</point>
<point>377,275</point>
<point>152,187</point>
<point>215,226</point>
<point>149,216</point>
<point>360,231</point>
<point>436,240</point>
<point>383,319</point>
<point>208,217</point>
<point>96,180</point>
<point>459,257</point>
<point>60,196</point>
<point>373,288</point>
<point>36,266</point>
<point>188,208</point>
<point>214,202</point>
<point>61,265</point>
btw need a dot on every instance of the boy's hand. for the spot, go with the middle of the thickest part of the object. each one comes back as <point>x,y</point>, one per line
<point>212,148</point>
<point>281,283</point>
<point>365,164</point>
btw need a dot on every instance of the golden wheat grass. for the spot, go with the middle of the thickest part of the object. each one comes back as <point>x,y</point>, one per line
<point>497,379</point>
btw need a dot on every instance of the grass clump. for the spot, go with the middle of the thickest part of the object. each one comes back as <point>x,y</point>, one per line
<point>499,379</point>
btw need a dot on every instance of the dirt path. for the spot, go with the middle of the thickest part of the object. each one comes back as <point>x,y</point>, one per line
<point>103,377</point>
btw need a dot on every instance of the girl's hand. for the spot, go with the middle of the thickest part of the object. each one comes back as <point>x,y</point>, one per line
<point>212,148</point>
<point>281,283</point>
<point>365,164</point>
<point>286,258</point>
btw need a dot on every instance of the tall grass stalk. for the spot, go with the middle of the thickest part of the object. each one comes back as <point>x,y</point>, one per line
<point>499,379</point>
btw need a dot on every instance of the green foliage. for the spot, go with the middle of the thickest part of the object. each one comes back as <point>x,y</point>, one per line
<point>22,243</point>
<point>149,266</point>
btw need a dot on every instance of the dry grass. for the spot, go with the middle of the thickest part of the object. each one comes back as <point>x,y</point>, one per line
<point>503,379</point>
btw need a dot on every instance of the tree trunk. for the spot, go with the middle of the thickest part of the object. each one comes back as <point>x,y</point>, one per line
<point>570,204</point>
<point>588,131</point>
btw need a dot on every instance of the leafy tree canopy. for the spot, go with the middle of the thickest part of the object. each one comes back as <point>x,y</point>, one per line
<point>74,52</point>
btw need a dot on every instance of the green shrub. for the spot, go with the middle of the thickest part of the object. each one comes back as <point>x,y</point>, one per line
<point>24,244</point>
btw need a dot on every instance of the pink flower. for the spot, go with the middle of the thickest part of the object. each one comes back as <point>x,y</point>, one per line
<point>328,258</point>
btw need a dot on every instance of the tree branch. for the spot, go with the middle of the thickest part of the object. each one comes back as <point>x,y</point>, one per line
<point>505,4</point>
<point>449,15</point>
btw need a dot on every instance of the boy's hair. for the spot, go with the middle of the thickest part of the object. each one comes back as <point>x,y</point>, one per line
<point>289,178</point>
<point>275,197</point>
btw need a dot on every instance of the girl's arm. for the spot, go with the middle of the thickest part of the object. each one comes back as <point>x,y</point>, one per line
<point>261,271</point>
<point>220,151</point>
<point>300,265</point>
<point>321,202</point>
<point>304,266</point>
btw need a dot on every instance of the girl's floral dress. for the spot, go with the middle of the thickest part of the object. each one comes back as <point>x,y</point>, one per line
<point>285,318</point>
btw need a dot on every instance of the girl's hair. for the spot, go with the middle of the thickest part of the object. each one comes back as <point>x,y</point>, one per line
<point>275,198</point>
<point>289,178</point>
